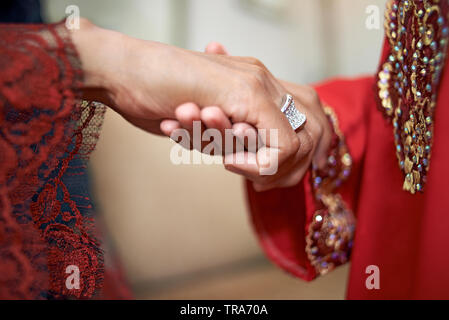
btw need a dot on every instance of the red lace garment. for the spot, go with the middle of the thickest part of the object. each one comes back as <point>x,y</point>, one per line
<point>46,136</point>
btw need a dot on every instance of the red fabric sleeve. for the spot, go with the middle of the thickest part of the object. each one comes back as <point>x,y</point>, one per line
<point>282,218</point>
<point>45,140</point>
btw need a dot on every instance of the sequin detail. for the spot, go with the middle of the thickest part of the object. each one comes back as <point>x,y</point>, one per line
<point>331,232</point>
<point>408,81</point>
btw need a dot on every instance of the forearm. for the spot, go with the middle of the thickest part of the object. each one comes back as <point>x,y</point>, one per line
<point>130,75</point>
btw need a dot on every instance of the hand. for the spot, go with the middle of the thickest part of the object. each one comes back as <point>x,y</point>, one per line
<point>145,82</point>
<point>317,133</point>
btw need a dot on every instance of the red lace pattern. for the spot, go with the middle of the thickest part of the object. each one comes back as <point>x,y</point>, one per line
<point>44,132</point>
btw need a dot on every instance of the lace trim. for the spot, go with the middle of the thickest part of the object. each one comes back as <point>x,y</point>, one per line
<point>44,133</point>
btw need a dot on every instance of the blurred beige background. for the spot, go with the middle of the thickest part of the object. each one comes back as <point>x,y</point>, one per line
<point>182,231</point>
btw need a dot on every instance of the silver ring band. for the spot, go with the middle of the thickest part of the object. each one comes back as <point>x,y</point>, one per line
<point>294,117</point>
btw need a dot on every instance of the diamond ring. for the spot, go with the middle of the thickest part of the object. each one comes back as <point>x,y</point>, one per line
<point>296,118</point>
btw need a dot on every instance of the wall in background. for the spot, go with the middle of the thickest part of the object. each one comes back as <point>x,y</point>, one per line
<point>310,41</point>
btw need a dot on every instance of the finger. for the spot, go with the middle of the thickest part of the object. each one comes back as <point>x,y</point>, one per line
<point>309,99</point>
<point>290,175</point>
<point>291,179</point>
<point>246,135</point>
<point>263,169</point>
<point>302,92</point>
<point>320,158</point>
<point>216,48</point>
<point>318,127</point>
<point>214,118</point>
<point>186,114</point>
<point>189,117</point>
<point>246,164</point>
<point>168,126</point>
<point>277,135</point>
<point>242,163</point>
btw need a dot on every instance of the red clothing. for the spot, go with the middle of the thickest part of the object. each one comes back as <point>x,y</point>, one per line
<point>46,136</point>
<point>404,234</point>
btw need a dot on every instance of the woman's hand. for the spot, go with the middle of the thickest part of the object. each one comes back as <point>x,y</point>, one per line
<point>315,137</point>
<point>146,81</point>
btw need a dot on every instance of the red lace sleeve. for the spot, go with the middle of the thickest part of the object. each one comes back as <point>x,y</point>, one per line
<point>45,135</point>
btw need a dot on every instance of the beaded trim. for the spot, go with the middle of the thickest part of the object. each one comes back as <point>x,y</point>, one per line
<point>408,81</point>
<point>331,232</point>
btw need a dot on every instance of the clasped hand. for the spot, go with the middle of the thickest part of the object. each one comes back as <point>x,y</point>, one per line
<point>160,88</point>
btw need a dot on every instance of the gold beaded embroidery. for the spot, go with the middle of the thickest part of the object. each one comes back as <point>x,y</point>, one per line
<point>330,234</point>
<point>408,81</point>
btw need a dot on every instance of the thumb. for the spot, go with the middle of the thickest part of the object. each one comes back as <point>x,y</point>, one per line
<point>216,48</point>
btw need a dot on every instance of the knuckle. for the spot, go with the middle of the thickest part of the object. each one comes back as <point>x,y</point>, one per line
<point>252,79</point>
<point>307,144</point>
<point>259,72</point>
<point>253,61</point>
<point>295,144</point>
<point>257,62</point>
<point>317,131</point>
<point>312,95</point>
<point>241,98</point>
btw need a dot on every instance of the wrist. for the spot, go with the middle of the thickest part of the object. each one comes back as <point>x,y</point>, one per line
<point>96,60</point>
